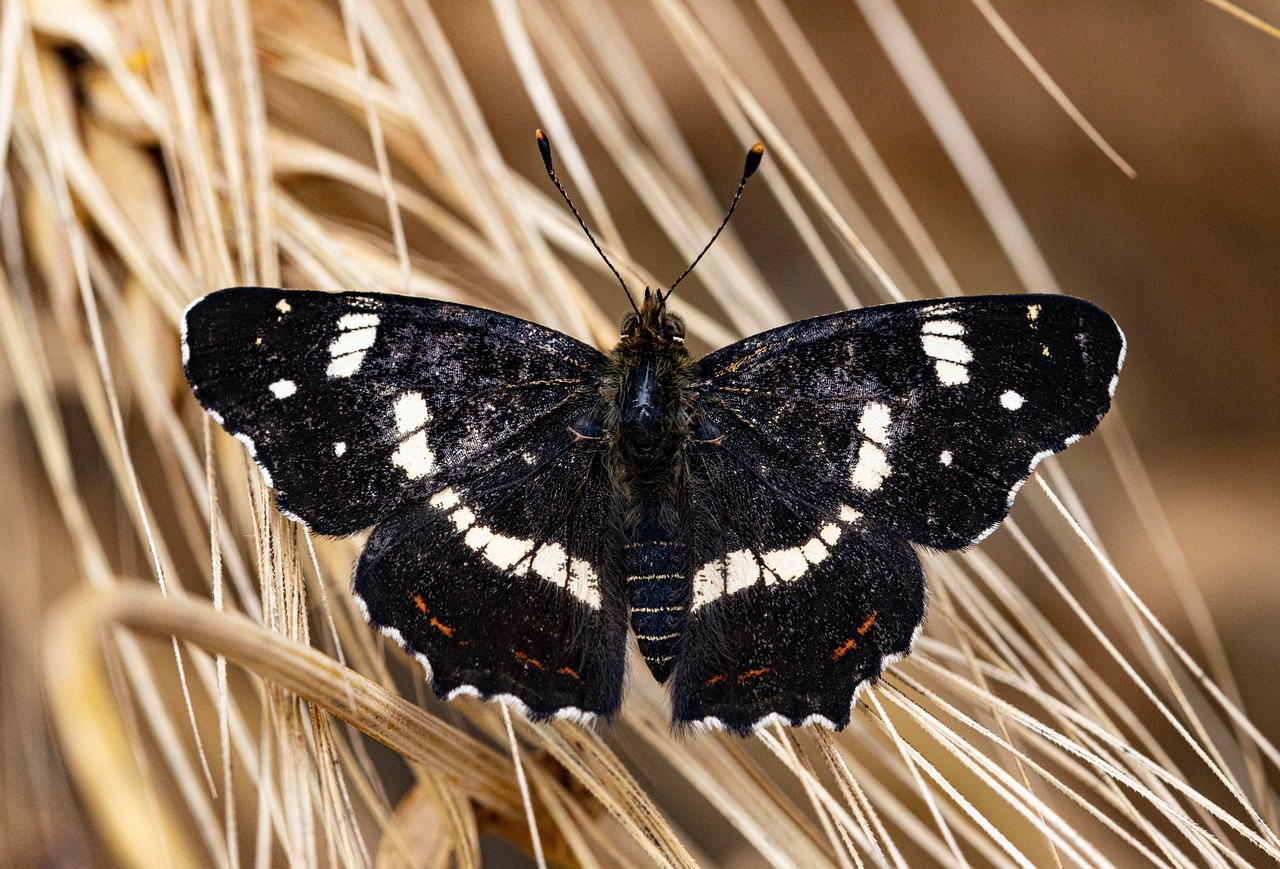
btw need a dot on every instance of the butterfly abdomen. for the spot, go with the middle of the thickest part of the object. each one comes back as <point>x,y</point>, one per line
<point>656,579</point>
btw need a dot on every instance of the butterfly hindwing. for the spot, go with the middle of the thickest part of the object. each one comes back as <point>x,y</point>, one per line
<point>796,601</point>
<point>823,447</point>
<point>506,585</point>
<point>353,402</point>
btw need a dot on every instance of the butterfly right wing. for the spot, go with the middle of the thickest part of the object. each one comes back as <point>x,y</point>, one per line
<point>823,447</point>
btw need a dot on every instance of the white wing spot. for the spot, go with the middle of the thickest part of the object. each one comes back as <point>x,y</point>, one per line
<point>941,342</point>
<point>283,306</point>
<point>1012,400</point>
<point>411,412</point>
<point>814,551</point>
<point>340,448</point>
<point>445,499</point>
<point>945,458</point>
<point>505,551</point>
<point>946,348</point>
<point>462,518</point>
<point>550,561</point>
<point>414,457</point>
<point>848,515</point>
<point>1033,312</point>
<point>349,322</point>
<point>740,570</point>
<point>871,468</point>
<point>942,327</point>
<point>354,341</point>
<point>951,373</point>
<point>283,388</point>
<point>583,582</point>
<point>478,537</point>
<point>874,422</point>
<point>785,564</point>
<point>356,334</point>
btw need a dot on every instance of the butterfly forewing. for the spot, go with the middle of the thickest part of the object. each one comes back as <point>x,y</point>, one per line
<point>927,416</point>
<point>352,403</point>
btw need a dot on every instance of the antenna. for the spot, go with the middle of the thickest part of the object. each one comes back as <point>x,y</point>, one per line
<point>544,145</point>
<point>754,156</point>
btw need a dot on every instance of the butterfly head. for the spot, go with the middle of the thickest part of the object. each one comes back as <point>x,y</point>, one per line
<point>652,323</point>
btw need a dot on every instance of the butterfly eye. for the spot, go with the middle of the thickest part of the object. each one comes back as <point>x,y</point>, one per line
<point>673,330</point>
<point>630,326</point>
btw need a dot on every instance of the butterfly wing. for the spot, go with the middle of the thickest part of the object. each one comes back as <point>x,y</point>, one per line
<point>825,446</point>
<point>505,586</point>
<point>352,403</point>
<point>459,432</point>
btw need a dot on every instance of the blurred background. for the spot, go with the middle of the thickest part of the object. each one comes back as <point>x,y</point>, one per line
<point>1186,255</point>
<point>1184,252</point>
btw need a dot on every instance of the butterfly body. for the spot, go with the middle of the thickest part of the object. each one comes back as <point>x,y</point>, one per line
<point>750,514</point>
<point>647,398</point>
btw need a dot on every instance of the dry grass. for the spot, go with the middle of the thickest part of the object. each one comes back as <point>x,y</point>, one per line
<point>159,149</point>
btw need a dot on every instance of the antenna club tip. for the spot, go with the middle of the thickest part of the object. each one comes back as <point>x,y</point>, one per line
<point>544,146</point>
<point>754,156</point>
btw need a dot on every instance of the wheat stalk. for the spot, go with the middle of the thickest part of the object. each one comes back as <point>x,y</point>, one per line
<point>215,696</point>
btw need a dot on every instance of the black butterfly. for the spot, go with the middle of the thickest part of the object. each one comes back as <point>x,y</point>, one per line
<point>751,512</point>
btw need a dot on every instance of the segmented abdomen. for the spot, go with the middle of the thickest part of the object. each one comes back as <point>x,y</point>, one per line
<point>658,592</point>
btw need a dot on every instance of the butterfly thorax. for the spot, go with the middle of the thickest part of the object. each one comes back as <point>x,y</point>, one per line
<point>646,389</point>
<point>646,385</point>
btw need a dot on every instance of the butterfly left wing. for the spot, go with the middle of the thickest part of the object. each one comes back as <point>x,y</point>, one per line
<point>467,436</point>
<point>505,585</point>
<point>823,447</point>
<point>355,403</point>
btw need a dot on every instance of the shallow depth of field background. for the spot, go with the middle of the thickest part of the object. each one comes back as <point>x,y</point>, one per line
<point>1186,257</point>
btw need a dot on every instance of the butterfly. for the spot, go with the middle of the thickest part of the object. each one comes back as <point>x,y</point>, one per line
<point>749,515</point>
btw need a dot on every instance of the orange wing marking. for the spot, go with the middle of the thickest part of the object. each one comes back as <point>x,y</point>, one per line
<point>571,673</point>
<point>441,627</point>
<point>420,604</point>
<point>751,674</point>
<point>719,677</point>
<point>852,642</point>
<point>533,662</point>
